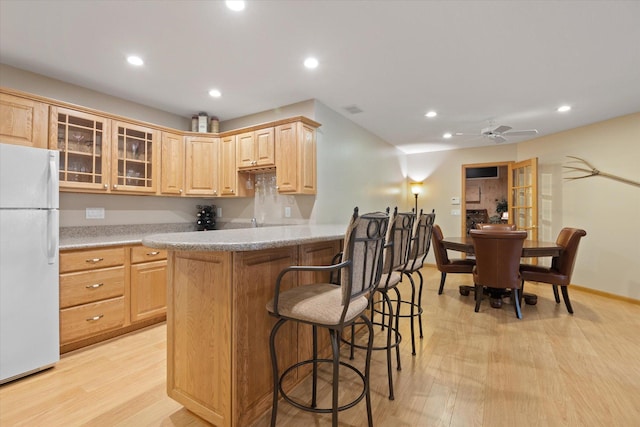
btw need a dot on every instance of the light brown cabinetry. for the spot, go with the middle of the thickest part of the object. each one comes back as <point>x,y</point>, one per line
<point>23,121</point>
<point>295,151</point>
<point>256,150</point>
<point>201,166</point>
<point>84,143</point>
<point>172,165</point>
<point>109,291</point>
<point>134,152</point>
<point>148,283</point>
<point>92,288</point>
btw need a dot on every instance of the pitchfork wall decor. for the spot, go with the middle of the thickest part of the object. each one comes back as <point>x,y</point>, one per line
<point>592,171</point>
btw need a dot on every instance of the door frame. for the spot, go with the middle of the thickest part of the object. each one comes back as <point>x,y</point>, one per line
<point>463,178</point>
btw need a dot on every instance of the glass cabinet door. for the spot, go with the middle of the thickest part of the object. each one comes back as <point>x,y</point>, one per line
<point>83,142</point>
<point>133,164</point>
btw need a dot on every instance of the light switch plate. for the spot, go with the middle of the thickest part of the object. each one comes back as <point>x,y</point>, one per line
<point>287,212</point>
<point>455,212</point>
<point>94,213</point>
<point>219,212</point>
<point>455,200</point>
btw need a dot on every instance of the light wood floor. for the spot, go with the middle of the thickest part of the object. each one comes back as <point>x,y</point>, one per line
<point>472,369</point>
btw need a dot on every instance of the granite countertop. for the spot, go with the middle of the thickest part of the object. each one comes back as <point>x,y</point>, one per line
<point>246,239</point>
<point>113,235</point>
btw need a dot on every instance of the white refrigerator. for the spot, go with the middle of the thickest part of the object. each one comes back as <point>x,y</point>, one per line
<point>29,295</point>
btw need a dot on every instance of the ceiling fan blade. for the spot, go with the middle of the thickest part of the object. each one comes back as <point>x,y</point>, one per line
<point>501,129</point>
<point>498,138</point>
<point>521,132</point>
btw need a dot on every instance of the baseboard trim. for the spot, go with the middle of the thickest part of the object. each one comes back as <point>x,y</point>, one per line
<point>605,294</point>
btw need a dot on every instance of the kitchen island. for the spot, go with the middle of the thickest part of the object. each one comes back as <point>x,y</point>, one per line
<point>218,283</point>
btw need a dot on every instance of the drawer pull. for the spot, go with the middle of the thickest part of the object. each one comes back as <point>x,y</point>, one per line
<point>95,285</point>
<point>154,253</point>
<point>94,318</point>
<point>94,260</point>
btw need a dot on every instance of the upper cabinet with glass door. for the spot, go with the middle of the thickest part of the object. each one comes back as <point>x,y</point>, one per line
<point>134,152</point>
<point>83,142</point>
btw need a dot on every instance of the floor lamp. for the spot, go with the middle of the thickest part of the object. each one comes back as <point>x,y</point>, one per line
<point>416,188</point>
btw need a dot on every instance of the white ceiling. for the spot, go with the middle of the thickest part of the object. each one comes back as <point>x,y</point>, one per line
<point>510,62</point>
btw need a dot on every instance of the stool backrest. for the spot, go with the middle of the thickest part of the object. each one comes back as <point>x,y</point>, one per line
<point>363,249</point>
<point>421,239</point>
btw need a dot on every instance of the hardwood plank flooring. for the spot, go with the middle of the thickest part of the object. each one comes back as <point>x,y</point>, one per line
<point>471,369</point>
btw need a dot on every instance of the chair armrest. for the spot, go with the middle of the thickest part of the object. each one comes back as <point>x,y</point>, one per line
<point>295,268</point>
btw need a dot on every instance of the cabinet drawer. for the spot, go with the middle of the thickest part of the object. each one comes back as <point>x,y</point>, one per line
<point>89,319</point>
<point>88,286</point>
<point>145,254</point>
<point>91,259</point>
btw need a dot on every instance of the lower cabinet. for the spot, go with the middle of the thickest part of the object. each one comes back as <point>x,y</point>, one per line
<point>109,291</point>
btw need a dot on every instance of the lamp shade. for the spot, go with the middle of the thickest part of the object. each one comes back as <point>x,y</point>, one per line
<point>416,188</point>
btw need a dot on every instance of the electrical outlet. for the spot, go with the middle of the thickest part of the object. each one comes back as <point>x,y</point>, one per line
<point>455,212</point>
<point>287,212</point>
<point>219,212</point>
<point>94,213</point>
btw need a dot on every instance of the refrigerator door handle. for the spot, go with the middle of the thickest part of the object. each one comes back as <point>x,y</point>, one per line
<point>52,237</point>
<point>53,180</point>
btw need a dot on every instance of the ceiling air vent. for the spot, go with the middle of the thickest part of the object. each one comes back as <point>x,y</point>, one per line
<point>353,109</point>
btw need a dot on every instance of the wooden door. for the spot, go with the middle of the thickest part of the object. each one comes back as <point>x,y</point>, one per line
<point>148,290</point>
<point>264,147</point>
<point>23,121</point>
<point>523,196</point>
<point>201,166</point>
<point>228,174</point>
<point>172,164</point>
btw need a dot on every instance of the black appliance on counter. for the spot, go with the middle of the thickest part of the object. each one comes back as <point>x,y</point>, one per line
<point>206,217</point>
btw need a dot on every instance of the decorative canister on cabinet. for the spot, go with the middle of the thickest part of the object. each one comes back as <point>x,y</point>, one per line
<point>215,124</point>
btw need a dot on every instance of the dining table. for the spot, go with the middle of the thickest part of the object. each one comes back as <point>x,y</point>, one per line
<point>530,249</point>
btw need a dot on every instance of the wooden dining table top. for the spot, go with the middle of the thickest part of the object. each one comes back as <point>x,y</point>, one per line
<point>530,248</point>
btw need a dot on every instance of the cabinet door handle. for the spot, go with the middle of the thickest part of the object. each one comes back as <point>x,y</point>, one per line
<point>154,253</point>
<point>180,190</point>
<point>94,286</point>
<point>94,260</point>
<point>106,186</point>
<point>95,318</point>
<point>115,186</point>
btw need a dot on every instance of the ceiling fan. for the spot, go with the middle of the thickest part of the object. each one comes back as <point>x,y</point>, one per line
<point>500,133</point>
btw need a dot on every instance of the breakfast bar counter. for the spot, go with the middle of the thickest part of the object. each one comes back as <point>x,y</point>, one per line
<point>218,283</point>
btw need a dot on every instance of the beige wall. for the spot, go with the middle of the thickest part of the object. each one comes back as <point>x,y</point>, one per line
<point>607,209</point>
<point>356,168</point>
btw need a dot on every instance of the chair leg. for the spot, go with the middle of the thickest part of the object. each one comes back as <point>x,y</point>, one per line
<point>412,316</point>
<point>367,369</point>
<point>478,293</point>
<point>395,334</point>
<point>420,303</point>
<point>516,302</point>
<point>443,277</point>
<point>315,368</point>
<point>389,371</point>
<point>567,301</point>
<point>336,375</point>
<point>555,294</point>
<point>274,366</point>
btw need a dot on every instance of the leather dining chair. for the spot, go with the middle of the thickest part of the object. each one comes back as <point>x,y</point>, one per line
<point>559,274</point>
<point>325,305</point>
<point>496,227</point>
<point>498,263</point>
<point>444,264</point>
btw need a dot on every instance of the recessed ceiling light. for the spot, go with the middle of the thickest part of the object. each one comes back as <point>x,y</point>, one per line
<point>135,60</point>
<point>215,93</point>
<point>235,5</point>
<point>447,135</point>
<point>431,114</point>
<point>311,63</point>
<point>564,108</point>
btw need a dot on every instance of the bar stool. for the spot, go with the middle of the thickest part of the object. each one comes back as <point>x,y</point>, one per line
<point>325,305</point>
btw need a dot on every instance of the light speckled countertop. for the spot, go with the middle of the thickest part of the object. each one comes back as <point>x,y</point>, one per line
<point>113,235</point>
<point>246,239</point>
